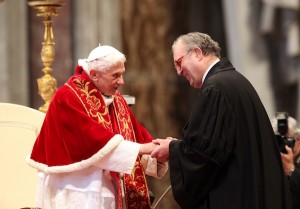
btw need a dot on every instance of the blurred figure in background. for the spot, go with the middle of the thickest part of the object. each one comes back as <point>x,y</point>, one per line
<point>290,154</point>
<point>280,27</point>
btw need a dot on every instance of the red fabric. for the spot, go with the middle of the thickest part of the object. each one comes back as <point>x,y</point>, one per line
<point>135,185</point>
<point>68,134</point>
<point>78,125</point>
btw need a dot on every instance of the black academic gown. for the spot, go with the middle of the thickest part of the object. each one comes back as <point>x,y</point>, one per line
<point>228,157</point>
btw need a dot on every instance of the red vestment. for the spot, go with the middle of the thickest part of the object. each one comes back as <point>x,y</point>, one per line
<point>76,128</point>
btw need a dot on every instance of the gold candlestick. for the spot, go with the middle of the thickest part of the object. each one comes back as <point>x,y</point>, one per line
<point>47,83</point>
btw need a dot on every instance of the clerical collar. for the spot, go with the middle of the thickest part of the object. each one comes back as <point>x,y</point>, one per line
<point>210,67</point>
<point>107,99</point>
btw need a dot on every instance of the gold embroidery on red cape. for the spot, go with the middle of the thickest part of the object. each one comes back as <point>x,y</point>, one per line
<point>136,190</point>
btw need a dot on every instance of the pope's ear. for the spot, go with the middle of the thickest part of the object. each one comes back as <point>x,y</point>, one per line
<point>93,74</point>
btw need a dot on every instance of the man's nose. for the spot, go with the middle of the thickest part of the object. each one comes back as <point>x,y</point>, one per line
<point>179,71</point>
<point>121,80</point>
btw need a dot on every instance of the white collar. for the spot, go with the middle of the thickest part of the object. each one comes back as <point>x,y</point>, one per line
<point>208,69</point>
<point>107,99</point>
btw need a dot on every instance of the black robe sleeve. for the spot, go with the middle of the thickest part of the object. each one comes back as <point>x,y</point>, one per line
<point>207,144</point>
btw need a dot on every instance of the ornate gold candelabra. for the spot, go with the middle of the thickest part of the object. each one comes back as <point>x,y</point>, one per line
<point>47,83</point>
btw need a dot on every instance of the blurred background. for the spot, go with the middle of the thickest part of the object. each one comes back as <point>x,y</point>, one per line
<point>260,37</point>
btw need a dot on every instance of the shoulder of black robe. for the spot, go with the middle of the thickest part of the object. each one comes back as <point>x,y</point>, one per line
<point>228,157</point>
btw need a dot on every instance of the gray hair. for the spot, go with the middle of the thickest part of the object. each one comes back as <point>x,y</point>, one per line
<point>102,58</point>
<point>201,40</point>
<point>106,62</point>
<point>293,129</point>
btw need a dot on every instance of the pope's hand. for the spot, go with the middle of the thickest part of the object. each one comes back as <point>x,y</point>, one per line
<point>147,148</point>
<point>161,152</point>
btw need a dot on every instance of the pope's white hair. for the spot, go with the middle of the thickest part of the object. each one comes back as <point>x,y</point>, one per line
<point>105,63</point>
<point>102,58</point>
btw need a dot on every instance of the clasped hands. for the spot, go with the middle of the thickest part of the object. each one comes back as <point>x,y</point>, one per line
<point>158,148</point>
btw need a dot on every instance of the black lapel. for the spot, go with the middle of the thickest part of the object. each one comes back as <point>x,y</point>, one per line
<point>222,65</point>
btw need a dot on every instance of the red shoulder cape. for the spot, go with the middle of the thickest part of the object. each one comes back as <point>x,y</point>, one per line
<point>77,124</point>
<point>79,130</point>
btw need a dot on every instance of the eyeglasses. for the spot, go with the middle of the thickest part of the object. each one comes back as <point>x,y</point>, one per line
<point>179,61</point>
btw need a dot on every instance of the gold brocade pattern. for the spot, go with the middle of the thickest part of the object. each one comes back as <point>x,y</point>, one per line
<point>97,108</point>
<point>135,185</point>
<point>136,190</point>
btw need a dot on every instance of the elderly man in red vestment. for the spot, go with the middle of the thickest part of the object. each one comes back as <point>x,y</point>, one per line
<point>91,151</point>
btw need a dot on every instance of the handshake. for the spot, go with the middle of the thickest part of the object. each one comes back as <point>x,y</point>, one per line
<point>158,148</point>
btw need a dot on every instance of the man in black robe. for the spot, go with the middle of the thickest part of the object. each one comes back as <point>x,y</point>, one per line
<point>228,157</point>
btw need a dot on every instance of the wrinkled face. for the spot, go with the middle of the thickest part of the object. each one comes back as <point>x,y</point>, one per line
<point>110,80</point>
<point>187,64</point>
